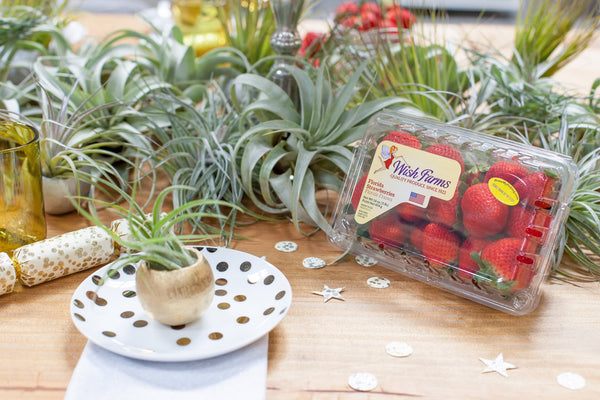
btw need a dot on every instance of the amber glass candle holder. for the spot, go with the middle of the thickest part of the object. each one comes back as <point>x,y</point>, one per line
<point>22,218</point>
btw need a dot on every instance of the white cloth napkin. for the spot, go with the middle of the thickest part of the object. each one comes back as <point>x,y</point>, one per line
<point>101,374</point>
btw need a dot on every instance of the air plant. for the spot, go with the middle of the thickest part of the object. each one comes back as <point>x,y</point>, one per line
<point>249,26</point>
<point>549,34</point>
<point>286,155</point>
<point>195,150</point>
<point>28,26</point>
<point>153,232</point>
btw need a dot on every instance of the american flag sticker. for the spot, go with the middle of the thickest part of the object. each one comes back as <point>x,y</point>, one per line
<point>416,198</point>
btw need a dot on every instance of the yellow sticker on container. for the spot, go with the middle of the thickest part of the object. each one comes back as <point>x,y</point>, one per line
<point>504,191</point>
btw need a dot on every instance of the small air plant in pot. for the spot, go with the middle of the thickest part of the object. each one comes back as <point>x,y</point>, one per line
<point>174,282</point>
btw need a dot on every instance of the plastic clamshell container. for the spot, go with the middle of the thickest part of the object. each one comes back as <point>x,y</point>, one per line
<point>476,215</point>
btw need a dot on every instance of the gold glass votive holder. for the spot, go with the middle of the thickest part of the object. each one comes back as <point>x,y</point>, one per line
<point>22,217</point>
<point>200,23</point>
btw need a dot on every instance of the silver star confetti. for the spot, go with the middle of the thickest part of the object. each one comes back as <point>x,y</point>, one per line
<point>398,349</point>
<point>497,365</point>
<point>329,293</point>
<point>313,263</point>
<point>378,283</point>
<point>286,246</point>
<point>571,381</point>
<point>365,261</point>
<point>362,381</point>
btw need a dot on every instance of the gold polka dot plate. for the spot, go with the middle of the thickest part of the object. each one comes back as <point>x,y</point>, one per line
<point>251,297</point>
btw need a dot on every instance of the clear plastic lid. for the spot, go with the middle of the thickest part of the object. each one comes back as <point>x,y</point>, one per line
<point>473,214</point>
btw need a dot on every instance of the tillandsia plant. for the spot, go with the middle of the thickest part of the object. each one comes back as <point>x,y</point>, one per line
<point>286,155</point>
<point>549,34</point>
<point>249,26</point>
<point>164,56</point>
<point>28,25</point>
<point>149,233</point>
<point>195,149</point>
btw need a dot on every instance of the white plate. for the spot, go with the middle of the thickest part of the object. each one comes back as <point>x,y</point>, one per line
<point>251,297</point>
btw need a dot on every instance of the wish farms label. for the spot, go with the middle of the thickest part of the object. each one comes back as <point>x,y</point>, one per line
<point>402,174</point>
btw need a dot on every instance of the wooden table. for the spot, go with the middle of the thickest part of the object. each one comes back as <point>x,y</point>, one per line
<point>317,346</point>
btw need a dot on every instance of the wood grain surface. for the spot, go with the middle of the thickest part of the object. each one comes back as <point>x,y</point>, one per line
<point>318,345</point>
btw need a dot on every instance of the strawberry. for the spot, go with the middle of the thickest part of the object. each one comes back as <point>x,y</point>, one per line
<point>346,9</point>
<point>388,230</point>
<point>358,189</point>
<point>447,151</point>
<point>404,138</point>
<point>501,256</point>
<point>410,212</point>
<point>440,245</point>
<point>416,235</point>
<point>370,7</point>
<point>510,171</point>
<point>506,264</point>
<point>520,218</point>
<point>466,265</point>
<point>369,19</point>
<point>443,211</point>
<point>400,17</point>
<point>540,225</point>
<point>474,176</point>
<point>350,21</point>
<point>483,213</point>
<point>311,44</point>
<point>536,190</point>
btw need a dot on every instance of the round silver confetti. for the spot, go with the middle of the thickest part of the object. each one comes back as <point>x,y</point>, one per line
<point>398,349</point>
<point>365,261</point>
<point>286,246</point>
<point>378,282</point>
<point>362,381</point>
<point>571,380</point>
<point>313,263</point>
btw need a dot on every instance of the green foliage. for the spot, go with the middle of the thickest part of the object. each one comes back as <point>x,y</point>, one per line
<point>288,154</point>
<point>551,33</point>
<point>195,149</point>
<point>249,26</point>
<point>28,26</point>
<point>153,234</point>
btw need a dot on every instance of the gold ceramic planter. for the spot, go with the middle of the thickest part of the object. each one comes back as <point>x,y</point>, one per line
<point>176,297</point>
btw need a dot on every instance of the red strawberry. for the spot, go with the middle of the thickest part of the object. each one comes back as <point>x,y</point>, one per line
<point>474,176</point>
<point>443,211</point>
<point>358,189</point>
<point>416,235</point>
<point>535,190</point>
<point>483,213</point>
<point>370,7</point>
<point>350,21</point>
<point>502,256</point>
<point>404,138</point>
<point>510,171</point>
<point>447,151</point>
<point>311,44</point>
<point>400,17</point>
<point>369,19</point>
<point>387,230</point>
<point>508,262</point>
<point>410,212</point>
<point>466,265</point>
<point>539,227</point>
<point>520,218</point>
<point>440,245</point>
<point>347,8</point>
